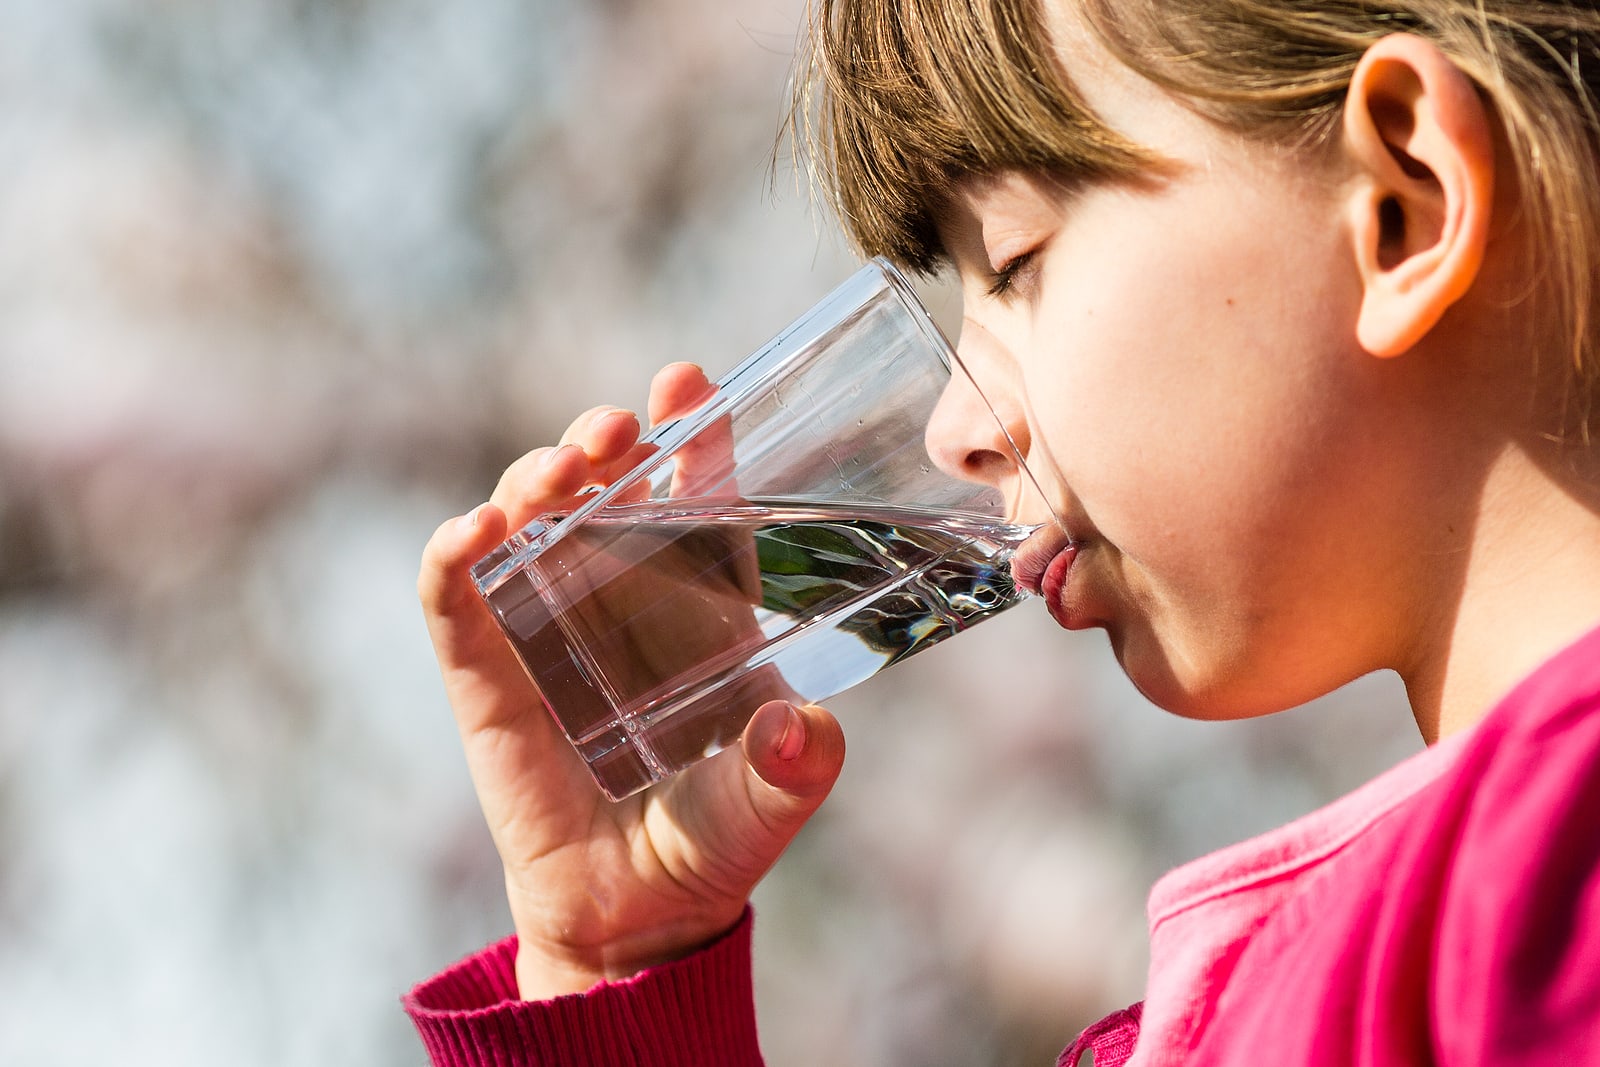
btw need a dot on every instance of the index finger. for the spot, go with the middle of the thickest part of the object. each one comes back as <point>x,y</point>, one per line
<point>676,390</point>
<point>704,463</point>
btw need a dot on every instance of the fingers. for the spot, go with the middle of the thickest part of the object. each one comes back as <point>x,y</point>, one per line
<point>547,479</point>
<point>603,432</point>
<point>703,466</point>
<point>532,786</point>
<point>739,810</point>
<point>676,390</point>
<point>794,755</point>
<point>485,682</point>
<point>443,584</point>
<point>598,447</point>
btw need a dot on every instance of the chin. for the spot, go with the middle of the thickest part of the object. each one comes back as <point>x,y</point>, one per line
<point>1192,686</point>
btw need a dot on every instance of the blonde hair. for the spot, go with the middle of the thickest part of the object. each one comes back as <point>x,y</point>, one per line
<point>898,100</point>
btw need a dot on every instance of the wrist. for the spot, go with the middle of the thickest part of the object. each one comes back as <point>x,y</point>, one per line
<point>541,978</point>
<point>545,971</point>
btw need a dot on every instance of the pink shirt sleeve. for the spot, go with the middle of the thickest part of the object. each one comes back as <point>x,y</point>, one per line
<point>698,1010</point>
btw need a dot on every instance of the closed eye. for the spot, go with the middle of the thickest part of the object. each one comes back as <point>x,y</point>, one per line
<point>1001,282</point>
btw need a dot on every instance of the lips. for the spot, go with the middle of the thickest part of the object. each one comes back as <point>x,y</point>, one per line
<point>1054,583</point>
<point>1041,566</point>
<point>1037,556</point>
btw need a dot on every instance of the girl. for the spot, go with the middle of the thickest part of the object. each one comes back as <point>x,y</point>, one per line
<point>1291,308</point>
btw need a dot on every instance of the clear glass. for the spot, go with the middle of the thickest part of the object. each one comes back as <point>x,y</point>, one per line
<point>789,539</point>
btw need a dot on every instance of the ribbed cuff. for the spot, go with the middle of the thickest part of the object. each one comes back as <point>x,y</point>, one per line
<point>695,1011</point>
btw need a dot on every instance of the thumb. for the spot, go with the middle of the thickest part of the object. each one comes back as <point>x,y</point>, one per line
<point>794,755</point>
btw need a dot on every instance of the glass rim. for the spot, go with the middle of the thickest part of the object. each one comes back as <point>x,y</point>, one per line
<point>778,355</point>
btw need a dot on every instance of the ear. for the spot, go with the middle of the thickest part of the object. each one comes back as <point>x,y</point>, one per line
<point>1420,137</point>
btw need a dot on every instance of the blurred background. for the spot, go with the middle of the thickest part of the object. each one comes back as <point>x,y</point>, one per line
<point>284,284</point>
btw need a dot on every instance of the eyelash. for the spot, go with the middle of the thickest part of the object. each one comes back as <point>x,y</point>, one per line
<point>1006,275</point>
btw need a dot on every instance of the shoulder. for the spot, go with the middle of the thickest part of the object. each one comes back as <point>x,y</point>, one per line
<point>1525,796</point>
<point>1516,970</point>
<point>1460,925</point>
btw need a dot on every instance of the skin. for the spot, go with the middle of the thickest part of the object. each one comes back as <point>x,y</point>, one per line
<point>1284,406</point>
<point>600,890</point>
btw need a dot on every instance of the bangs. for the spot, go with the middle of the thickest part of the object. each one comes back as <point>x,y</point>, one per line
<point>895,101</point>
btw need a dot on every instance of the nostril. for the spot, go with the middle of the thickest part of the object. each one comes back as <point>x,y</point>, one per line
<point>986,465</point>
<point>967,439</point>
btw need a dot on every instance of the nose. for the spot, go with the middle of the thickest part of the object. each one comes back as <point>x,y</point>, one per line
<point>971,434</point>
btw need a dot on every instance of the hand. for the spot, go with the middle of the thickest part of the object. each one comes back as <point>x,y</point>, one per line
<point>600,890</point>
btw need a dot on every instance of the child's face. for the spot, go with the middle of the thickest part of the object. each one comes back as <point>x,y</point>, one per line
<point>1177,361</point>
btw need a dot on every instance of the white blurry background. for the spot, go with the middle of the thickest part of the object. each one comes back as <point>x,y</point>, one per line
<point>283,284</point>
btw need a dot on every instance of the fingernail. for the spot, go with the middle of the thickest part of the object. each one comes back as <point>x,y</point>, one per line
<point>794,735</point>
<point>469,522</point>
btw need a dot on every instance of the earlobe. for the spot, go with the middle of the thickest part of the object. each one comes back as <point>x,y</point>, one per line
<point>1420,210</point>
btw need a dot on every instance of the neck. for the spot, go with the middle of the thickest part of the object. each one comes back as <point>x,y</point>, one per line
<point>1530,586</point>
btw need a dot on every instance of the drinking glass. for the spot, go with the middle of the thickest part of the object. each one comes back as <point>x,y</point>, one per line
<point>789,538</point>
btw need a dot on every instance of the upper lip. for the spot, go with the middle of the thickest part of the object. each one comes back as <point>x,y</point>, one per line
<point>1033,558</point>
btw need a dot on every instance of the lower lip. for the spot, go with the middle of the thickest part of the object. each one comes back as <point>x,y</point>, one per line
<point>1054,582</point>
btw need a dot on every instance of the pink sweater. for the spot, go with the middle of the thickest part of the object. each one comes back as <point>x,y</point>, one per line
<point>1446,913</point>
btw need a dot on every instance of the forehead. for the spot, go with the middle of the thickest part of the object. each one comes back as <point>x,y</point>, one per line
<point>917,95</point>
<point>1117,96</point>
<point>1170,134</point>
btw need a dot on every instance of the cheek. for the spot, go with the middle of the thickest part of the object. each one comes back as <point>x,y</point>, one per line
<point>1193,392</point>
<point>1187,379</point>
